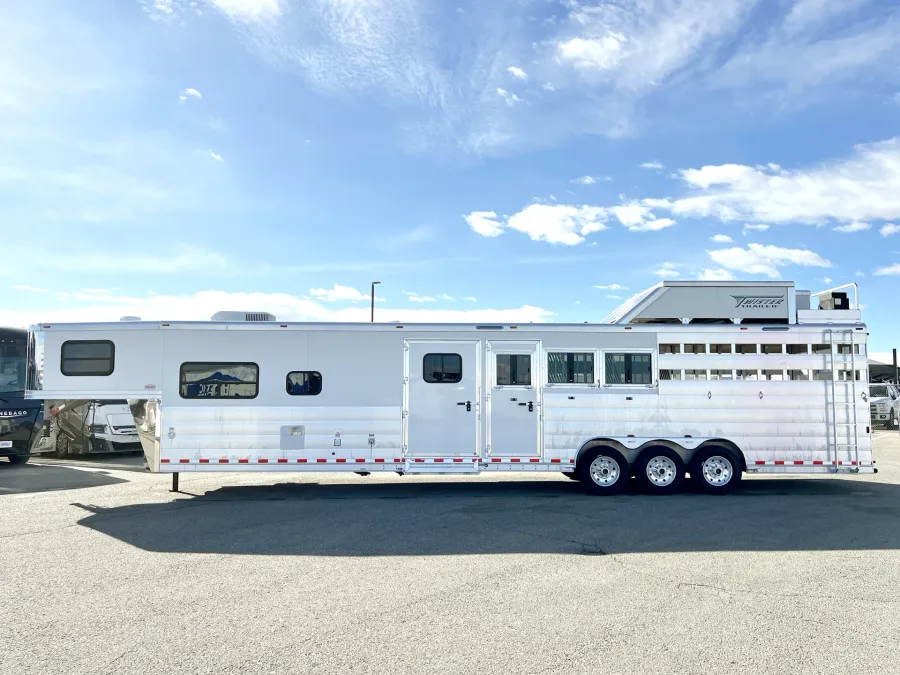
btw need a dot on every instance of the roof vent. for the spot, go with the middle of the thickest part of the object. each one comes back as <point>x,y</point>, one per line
<point>243,316</point>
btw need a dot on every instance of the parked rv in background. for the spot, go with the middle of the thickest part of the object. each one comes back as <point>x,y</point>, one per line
<point>87,427</point>
<point>20,419</point>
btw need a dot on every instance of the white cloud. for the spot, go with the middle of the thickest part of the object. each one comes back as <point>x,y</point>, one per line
<point>517,73</point>
<point>339,293</point>
<point>653,165</point>
<point>891,270</point>
<point>584,180</point>
<point>721,239</point>
<point>444,296</point>
<point>415,297</point>
<point>758,259</point>
<point>216,156</point>
<point>715,275</point>
<point>639,218</point>
<point>189,92</point>
<point>889,229</point>
<point>201,306</point>
<point>827,280</point>
<point>754,228</point>
<point>666,271</point>
<point>602,53</point>
<point>485,223</point>
<point>558,223</point>
<point>855,226</point>
<point>249,10</point>
<point>612,287</point>
<point>549,86</point>
<point>863,187</point>
<point>509,97</point>
<point>471,299</point>
<point>30,289</point>
<point>614,297</point>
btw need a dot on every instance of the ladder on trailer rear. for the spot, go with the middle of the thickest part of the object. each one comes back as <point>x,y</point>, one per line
<point>836,339</point>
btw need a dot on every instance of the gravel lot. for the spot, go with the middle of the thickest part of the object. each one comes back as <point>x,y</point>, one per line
<point>105,571</point>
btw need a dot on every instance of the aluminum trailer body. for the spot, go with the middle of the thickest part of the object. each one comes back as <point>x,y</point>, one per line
<point>745,376</point>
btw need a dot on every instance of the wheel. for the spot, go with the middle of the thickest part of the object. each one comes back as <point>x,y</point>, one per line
<point>715,471</point>
<point>660,471</point>
<point>571,475</point>
<point>602,471</point>
<point>62,445</point>
<point>19,459</point>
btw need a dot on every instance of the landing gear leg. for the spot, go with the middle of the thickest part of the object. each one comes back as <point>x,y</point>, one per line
<point>175,482</point>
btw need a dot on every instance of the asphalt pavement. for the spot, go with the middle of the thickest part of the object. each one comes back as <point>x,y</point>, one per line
<point>105,571</point>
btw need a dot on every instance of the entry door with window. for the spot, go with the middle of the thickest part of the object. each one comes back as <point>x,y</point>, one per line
<point>441,400</point>
<point>514,417</point>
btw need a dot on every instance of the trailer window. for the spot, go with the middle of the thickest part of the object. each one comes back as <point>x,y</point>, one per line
<point>721,375</point>
<point>772,375</point>
<point>442,368</point>
<point>747,375</point>
<point>628,369</point>
<point>720,349</point>
<point>822,375</point>
<point>695,375</point>
<point>670,349</point>
<point>514,369</point>
<point>845,349</point>
<point>83,358</point>
<point>304,383</point>
<point>570,368</point>
<point>219,380</point>
<point>695,349</point>
<point>798,375</point>
<point>849,374</point>
<point>797,349</point>
<point>745,349</point>
<point>772,349</point>
<point>669,375</point>
<point>821,349</point>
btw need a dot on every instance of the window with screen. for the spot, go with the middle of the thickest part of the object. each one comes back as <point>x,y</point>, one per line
<point>570,368</point>
<point>219,380</point>
<point>442,368</point>
<point>668,374</point>
<point>304,383</point>
<point>514,369</point>
<point>628,369</point>
<point>83,358</point>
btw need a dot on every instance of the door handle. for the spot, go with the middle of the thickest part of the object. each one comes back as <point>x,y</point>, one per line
<point>468,405</point>
<point>530,406</point>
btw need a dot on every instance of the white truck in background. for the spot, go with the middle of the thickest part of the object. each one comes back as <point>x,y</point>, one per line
<point>89,427</point>
<point>884,402</point>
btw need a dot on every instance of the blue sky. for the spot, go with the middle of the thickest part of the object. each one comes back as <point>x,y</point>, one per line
<point>506,160</point>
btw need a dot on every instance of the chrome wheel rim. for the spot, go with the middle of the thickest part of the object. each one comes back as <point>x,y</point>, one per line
<point>717,470</point>
<point>661,471</point>
<point>605,471</point>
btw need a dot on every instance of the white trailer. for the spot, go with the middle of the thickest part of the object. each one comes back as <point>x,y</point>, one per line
<point>702,378</point>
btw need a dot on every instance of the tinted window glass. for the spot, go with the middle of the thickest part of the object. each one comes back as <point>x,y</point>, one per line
<point>695,374</point>
<point>745,349</point>
<point>720,349</point>
<point>798,349</point>
<point>304,383</point>
<point>695,349</point>
<point>219,380</point>
<point>88,357</point>
<point>571,368</point>
<point>670,349</point>
<point>821,349</point>
<point>669,374</point>
<point>772,349</point>
<point>798,375</point>
<point>442,368</point>
<point>514,369</point>
<point>628,369</point>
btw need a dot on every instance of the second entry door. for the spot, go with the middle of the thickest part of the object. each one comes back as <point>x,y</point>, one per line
<point>514,418</point>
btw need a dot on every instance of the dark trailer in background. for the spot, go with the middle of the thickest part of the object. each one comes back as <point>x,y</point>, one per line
<point>20,419</point>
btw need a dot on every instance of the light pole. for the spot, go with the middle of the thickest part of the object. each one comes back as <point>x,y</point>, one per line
<point>373,300</point>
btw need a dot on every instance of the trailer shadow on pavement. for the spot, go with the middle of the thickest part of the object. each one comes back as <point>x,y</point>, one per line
<point>553,516</point>
<point>48,478</point>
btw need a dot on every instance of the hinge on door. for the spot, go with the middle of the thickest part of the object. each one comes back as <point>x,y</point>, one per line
<point>405,413</point>
<point>406,348</point>
<point>405,380</point>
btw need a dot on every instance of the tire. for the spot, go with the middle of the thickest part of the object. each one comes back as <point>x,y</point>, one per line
<point>660,471</point>
<point>62,445</point>
<point>715,470</point>
<point>571,475</point>
<point>602,471</point>
<point>19,459</point>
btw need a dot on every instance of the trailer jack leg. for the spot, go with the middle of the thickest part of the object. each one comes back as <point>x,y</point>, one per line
<point>175,482</point>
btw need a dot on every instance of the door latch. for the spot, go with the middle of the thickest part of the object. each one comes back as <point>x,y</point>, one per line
<point>468,405</point>
<point>530,406</point>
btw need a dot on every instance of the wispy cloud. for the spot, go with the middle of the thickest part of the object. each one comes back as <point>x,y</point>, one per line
<point>757,259</point>
<point>612,287</point>
<point>590,180</point>
<point>337,293</point>
<point>666,272</point>
<point>747,229</point>
<point>517,73</point>
<point>485,223</point>
<point>415,297</point>
<point>510,98</point>
<point>855,226</point>
<point>216,156</point>
<point>715,275</point>
<point>889,229</point>
<point>890,270</point>
<point>471,299</point>
<point>553,223</point>
<point>721,239</point>
<point>653,165</point>
<point>30,289</point>
<point>639,218</point>
<point>189,93</point>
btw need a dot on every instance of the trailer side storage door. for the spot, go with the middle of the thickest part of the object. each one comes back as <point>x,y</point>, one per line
<point>442,398</point>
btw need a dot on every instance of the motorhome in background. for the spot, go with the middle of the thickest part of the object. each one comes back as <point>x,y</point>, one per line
<point>710,379</point>
<point>91,427</point>
<point>20,418</point>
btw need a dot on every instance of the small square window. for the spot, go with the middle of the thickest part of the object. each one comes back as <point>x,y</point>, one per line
<point>628,369</point>
<point>304,383</point>
<point>822,375</point>
<point>514,370</point>
<point>695,349</point>
<point>720,349</point>
<point>798,349</point>
<point>821,349</point>
<point>772,349</point>
<point>670,349</point>
<point>745,349</point>
<point>845,349</point>
<point>442,368</point>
